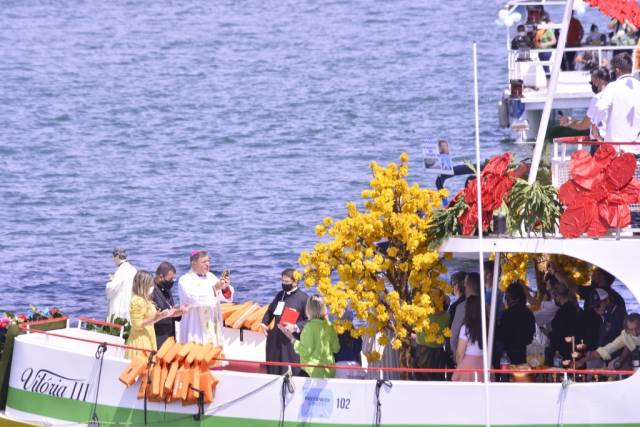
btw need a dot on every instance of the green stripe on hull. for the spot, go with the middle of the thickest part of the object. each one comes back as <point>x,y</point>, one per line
<point>80,412</point>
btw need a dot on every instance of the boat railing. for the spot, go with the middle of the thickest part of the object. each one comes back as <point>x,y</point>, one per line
<point>28,326</point>
<point>564,147</point>
<point>515,374</point>
<point>518,68</point>
<point>86,321</point>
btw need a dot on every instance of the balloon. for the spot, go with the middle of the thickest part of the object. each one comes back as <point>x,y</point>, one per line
<point>508,22</point>
<point>579,7</point>
<point>503,14</point>
<point>516,16</point>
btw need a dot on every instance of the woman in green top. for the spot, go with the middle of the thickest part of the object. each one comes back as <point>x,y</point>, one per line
<point>318,340</point>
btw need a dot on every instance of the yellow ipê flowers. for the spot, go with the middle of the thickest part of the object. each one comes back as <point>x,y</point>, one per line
<point>376,260</point>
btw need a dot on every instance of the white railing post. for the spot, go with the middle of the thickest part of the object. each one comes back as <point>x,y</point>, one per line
<point>553,84</point>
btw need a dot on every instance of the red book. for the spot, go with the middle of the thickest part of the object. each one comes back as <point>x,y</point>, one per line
<point>289,315</point>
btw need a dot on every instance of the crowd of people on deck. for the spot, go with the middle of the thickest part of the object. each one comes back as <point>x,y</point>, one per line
<point>540,33</point>
<point>602,334</point>
<point>529,326</point>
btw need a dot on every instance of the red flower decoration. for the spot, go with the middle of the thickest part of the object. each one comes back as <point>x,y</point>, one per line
<point>599,192</point>
<point>496,183</point>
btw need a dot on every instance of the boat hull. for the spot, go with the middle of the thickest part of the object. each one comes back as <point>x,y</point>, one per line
<point>55,382</point>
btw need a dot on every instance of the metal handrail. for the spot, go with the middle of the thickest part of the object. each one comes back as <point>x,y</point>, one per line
<point>88,320</point>
<point>252,363</point>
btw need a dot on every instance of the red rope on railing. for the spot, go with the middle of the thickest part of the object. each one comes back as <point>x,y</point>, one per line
<point>358,368</point>
<point>53,334</point>
<point>100,322</point>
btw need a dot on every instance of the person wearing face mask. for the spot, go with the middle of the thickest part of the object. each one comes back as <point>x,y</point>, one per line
<point>163,299</point>
<point>144,315</point>
<point>202,292</point>
<point>279,347</point>
<point>595,123</point>
<point>619,105</point>
<point>522,39</point>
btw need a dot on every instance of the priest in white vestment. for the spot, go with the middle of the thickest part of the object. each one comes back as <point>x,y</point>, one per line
<point>119,286</point>
<point>202,292</point>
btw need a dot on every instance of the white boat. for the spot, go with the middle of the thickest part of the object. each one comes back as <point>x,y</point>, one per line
<point>56,378</point>
<point>64,377</point>
<point>522,101</point>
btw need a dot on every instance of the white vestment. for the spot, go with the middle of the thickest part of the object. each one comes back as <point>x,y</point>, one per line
<point>119,291</point>
<point>619,105</point>
<point>202,323</point>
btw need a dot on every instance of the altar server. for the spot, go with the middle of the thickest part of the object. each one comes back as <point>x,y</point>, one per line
<point>119,286</point>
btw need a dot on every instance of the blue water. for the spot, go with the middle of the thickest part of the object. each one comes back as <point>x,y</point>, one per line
<point>232,126</point>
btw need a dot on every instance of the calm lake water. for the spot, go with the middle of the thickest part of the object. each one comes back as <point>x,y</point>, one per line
<point>232,126</point>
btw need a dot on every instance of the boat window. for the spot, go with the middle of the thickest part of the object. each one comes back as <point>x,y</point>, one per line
<point>556,318</point>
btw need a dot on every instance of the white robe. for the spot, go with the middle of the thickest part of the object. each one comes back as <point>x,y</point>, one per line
<point>203,322</point>
<point>119,290</point>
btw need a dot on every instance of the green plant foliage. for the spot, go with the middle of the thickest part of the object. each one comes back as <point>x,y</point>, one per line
<point>445,222</point>
<point>533,208</point>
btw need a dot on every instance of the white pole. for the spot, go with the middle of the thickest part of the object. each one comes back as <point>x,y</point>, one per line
<point>494,302</point>
<point>553,83</point>
<point>485,364</point>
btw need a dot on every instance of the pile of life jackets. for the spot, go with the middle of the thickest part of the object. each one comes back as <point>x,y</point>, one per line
<point>176,372</point>
<point>244,316</point>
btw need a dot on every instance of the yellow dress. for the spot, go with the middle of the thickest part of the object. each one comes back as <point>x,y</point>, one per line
<point>141,336</point>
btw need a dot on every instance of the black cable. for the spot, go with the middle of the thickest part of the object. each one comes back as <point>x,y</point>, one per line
<point>150,364</point>
<point>378,415</point>
<point>287,388</point>
<point>95,422</point>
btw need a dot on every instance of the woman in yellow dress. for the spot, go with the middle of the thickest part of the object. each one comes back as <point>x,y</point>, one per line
<point>143,315</point>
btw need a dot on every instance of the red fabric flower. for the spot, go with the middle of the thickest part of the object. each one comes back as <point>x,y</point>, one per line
<point>631,192</point>
<point>614,214</point>
<point>598,227</point>
<point>469,221</point>
<point>620,171</point>
<point>584,169</point>
<point>605,154</point>
<point>496,183</point>
<point>576,220</point>
<point>570,194</point>
<point>497,165</point>
<point>599,192</point>
<point>471,192</point>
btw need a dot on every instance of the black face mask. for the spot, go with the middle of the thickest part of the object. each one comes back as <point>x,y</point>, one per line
<point>287,287</point>
<point>166,285</point>
<point>594,88</point>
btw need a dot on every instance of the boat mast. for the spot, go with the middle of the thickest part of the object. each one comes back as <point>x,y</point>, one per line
<point>553,83</point>
<point>485,355</point>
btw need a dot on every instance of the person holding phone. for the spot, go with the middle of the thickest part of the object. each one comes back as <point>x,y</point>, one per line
<point>202,292</point>
<point>289,301</point>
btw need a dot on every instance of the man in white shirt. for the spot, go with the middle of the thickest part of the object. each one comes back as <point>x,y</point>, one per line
<point>599,81</point>
<point>201,291</point>
<point>119,286</point>
<point>620,102</point>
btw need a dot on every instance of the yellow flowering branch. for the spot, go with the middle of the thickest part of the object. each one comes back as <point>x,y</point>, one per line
<point>379,261</point>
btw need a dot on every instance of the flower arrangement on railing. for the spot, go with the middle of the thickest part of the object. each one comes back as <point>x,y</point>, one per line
<point>9,318</point>
<point>525,207</point>
<point>599,192</point>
